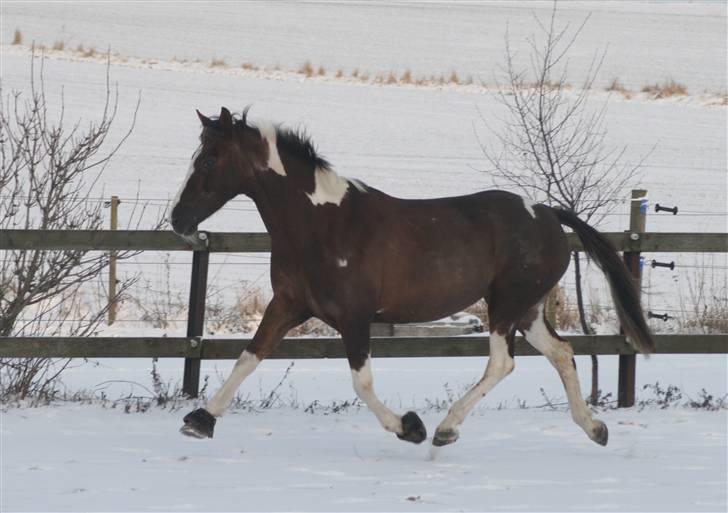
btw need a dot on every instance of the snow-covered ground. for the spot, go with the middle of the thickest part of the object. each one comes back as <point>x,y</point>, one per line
<point>412,142</point>
<point>94,458</point>
<point>82,458</point>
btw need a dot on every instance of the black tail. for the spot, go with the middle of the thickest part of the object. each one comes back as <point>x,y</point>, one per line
<point>624,292</point>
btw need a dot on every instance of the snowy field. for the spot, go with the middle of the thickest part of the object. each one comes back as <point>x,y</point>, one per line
<point>412,142</point>
<point>94,458</point>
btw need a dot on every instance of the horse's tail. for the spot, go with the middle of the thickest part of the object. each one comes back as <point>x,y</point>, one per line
<point>624,291</point>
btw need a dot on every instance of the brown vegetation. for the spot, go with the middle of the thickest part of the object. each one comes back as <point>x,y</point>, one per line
<point>665,89</point>
<point>618,87</point>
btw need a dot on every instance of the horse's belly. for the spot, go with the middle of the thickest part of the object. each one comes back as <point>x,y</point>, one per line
<point>431,297</point>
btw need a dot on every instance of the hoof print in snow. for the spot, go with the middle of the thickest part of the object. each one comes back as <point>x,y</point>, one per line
<point>198,424</point>
<point>601,433</point>
<point>413,430</point>
<point>445,437</point>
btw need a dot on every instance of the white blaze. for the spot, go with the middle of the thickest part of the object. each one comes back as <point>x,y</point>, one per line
<point>190,170</point>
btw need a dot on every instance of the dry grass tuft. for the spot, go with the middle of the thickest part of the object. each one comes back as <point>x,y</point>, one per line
<point>306,69</point>
<point>406,77</point>
<point>454,78</point>
<point>355,73</point>
<point>665,89</point>
<point>17,37</point>
<point>59,46</point>
<point>339,73</point>
<point>391,78</point>
<point>217,63</point>
<point>90,52</point>
<point>618,87</point>
<point>249,66</point>
<point>321,71</point>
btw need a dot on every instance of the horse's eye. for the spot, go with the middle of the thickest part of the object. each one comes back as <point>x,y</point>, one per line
<point>207,164</point>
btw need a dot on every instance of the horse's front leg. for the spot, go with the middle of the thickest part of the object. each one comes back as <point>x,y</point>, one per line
<point>279,317</point>
<point>408,427</point>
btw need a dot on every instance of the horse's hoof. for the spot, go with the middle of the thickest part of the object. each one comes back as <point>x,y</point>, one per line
<point>198,424</point>
<point>445,437</point>
<point>413,430</point>
<point>600,433</point>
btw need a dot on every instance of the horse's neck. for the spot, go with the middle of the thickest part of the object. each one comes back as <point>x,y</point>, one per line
<point>284,210</point>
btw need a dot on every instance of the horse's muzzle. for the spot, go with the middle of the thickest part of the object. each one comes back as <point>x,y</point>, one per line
<point>184,225</point>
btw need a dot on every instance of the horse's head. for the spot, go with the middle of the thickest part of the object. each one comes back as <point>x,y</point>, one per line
<point>222,167</point>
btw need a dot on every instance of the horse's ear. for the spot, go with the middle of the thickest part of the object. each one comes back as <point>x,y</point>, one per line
<point>226,120</point>
<point>245,116</point>
<point>206,122</point>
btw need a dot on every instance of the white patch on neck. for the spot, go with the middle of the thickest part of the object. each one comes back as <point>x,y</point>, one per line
<point>529,207</point>
<point>330,187</point>
<point>342,262</point>
<point>190,170</point>
<point>268,132</point>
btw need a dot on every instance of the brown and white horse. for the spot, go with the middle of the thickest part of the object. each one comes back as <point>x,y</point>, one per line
<point>351,255</point>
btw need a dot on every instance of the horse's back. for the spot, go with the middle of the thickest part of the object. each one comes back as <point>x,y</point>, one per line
<point>452,250</point>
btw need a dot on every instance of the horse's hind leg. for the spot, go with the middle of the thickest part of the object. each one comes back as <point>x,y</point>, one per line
<point>408,427</point>
<point>541,335</point>
<point>500,364</point>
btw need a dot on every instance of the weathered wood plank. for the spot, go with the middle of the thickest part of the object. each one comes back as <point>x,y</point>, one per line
<point>307,348</point>
<point>96,347</point>
<point>225,242</point>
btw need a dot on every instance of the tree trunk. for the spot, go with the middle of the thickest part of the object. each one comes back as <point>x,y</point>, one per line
<point>594,396</point>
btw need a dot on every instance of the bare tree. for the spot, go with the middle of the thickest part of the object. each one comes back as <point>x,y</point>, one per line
<point>552,146</point>
<point>48,177</point>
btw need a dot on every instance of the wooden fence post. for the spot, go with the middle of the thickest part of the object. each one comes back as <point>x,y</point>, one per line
<point>196,319</point>
<point>113,306</point>
<point>628,362</point>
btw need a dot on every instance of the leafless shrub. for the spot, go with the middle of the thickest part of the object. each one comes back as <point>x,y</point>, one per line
<point>321,71</point>
<point>217,62</point>
<point>391,78</point>
<point>705,309</point>
<point>249,66</point>
<point>47,176</point>
<point>355,73</point>
<point>454,78</point>
<point>552,147</point>
<point>17,37</point>
<point>59,46</point>
<point>406,77</point>
<point>339,73</point>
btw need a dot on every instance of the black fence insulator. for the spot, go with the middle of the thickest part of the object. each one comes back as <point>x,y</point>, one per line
<point>664,317</point>
<point>660,208</point>
<point>670,265</point>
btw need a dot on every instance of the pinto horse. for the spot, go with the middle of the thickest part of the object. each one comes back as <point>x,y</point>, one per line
<point>351,255</point>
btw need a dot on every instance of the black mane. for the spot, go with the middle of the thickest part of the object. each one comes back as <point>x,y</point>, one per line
<point>297,142</point>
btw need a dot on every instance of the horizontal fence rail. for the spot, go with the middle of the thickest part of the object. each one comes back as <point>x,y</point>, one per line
<point>330,347</point>
<point>225,242</point>
<point>195,348</point>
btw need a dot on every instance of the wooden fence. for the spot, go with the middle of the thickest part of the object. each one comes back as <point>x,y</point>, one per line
<point>194,347</point>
